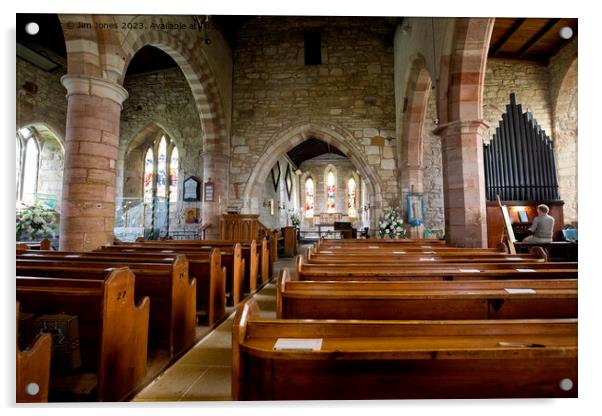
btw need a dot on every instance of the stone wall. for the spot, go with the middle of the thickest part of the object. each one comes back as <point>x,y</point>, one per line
<point>317,168</point>
<point>529,81</point>
<point>46,104</point>
<point>434,212</point>
<point>159,103</point>
<point>284,205</point>
<point>352,88</point>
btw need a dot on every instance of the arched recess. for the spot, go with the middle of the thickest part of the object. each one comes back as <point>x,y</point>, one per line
<point>411,163</point>
<point>566,141</point>
<point>290,137</point>
<point>50,162</point>
<point>187,51</point>
<point>131,155</point>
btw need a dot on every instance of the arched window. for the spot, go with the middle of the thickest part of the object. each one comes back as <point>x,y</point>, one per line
<point>173,175</point>
<point>160,177</point>
<point>162,169</point>
<point>30,169</point>
<point>148,176</point>
<point>331,189</point>
<point>18,164</point>
<point>351,198</point>
<point>309,198</point>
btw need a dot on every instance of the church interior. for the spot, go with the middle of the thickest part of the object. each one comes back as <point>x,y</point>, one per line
<point>260,207</point>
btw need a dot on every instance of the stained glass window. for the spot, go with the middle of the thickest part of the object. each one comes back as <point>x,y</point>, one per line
<point>148,176</point>
<point>331,189</point>
<point>309,198</point>
<point>351,198</point>
<point>173,175</point>
<point>162,168</point>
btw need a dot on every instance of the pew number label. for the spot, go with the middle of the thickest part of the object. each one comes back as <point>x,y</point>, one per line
<point>427,259</point>
<point>470,270</point>
<point>373,246</point>
<point>305,344</point>
<point>525,270</point>
<point>520,291</point>
<point>399,252</point>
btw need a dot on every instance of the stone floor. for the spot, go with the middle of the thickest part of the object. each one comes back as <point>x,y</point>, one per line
<point>204,372</point>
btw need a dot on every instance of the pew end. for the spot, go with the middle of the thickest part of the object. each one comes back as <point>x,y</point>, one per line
<point>284,277</point>
<point>539,252</point>
<point>33,369</point>
<point>246,311</point>
<point>298,266</point>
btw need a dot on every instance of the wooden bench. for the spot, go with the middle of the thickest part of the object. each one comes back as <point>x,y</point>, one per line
<point>378,241</point>
<point>479,299</point>
<point>260,263</point>
<point>231,259</point>
<point>205,268</point>
<point>403,359</point>
<point>43,244</point>
<point>113,330</point>
<point>33,369</point>
<point>165,282</point>
<point>428,256</point>
<point>435,271</point>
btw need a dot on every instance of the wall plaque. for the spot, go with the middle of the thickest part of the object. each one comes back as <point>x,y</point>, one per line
<point>208,192</point>
<point>192,189</point>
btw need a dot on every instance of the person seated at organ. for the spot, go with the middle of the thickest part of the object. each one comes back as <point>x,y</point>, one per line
<point>542,227</point>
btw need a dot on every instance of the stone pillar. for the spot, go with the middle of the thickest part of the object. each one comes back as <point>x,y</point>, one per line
<point>215,169</point>
<point>91,143</point>
<point>464,182</point>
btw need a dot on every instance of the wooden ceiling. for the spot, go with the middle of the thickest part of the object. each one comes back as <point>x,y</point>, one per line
<point>528,39</point>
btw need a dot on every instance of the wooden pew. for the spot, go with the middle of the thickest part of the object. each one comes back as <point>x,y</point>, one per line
<point>256,256</point>
<point>403,359</point>
<point>378,241</point>
<point>399,258</point>
<point>435,271</point>
<point>166,283</point>
<point>33,369</point>
<point>113,330</point>
<point>230,258</point>
<point>43,244</point>
<point>205,268</point>
<point>480,299</point>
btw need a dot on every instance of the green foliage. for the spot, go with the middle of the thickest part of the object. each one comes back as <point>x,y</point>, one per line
<point>35,222</point>
<point>391,224</point>
<point>295,219</point>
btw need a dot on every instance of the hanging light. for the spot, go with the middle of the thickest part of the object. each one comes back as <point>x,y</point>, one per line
<point>566,32</point>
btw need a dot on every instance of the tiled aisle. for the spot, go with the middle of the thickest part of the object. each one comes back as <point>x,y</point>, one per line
<point>204,372</point>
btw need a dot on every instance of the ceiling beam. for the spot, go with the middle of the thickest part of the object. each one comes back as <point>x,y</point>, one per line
<point>507,35</point>
<point>541,33</point>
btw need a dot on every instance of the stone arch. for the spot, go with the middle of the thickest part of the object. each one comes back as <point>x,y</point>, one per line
<point>566,140</point>
<point>410,161</point>
<point>150,129</point>
<point>186,51</point>
<point>290,137</point>
<point>465,79</point>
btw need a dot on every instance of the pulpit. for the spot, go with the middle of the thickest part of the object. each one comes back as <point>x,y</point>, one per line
<point>239,227</point>
<point>290,241</point>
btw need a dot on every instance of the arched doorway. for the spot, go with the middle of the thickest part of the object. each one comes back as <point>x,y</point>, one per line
<point>293,136</point>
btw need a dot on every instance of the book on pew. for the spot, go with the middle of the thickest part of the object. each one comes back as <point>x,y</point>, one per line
<point>520,291</point>
<point>306,344</point>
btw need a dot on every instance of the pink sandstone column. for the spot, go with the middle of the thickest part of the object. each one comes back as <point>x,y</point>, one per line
<point>91,145</point>
<point>215,169</point>
<point>464,183</point>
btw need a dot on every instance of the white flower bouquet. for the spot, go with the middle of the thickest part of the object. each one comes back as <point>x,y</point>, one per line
<point>391,224</point>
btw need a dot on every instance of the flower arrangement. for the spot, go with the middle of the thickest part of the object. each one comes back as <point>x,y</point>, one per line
<point>391,224</point>
<point>36,222</point>
<point>295,219</point>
